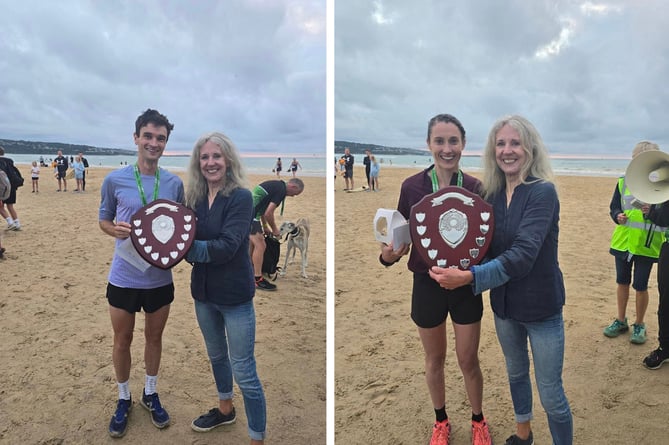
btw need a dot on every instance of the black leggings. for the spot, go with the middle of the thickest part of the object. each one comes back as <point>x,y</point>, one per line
<point>663,287</point>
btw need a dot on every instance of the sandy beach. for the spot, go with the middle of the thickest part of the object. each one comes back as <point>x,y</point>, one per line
<point>57,382</point>
<point>380,394</point>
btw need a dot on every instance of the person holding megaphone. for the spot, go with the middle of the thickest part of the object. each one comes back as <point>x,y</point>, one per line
<point>635,244</point>
<point>648,180</point>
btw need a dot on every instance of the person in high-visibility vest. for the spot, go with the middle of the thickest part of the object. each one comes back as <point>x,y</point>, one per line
<point>635,244</point>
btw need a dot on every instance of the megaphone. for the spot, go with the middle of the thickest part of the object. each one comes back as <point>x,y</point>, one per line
<point>647,176</point>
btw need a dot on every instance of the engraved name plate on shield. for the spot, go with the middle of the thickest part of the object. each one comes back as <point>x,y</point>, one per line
<point>452,227</point>
<point>162,232</point>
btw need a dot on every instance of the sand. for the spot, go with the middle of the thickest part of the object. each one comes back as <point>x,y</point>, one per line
<point>380,392</point>
<point>57,382</point>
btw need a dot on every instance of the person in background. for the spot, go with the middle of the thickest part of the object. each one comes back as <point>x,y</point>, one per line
<point>526,285</point>
<point>347,167</point>
<point>374,174</point>
<point>83,179</point>
<point>294,165</point>
<point>7,209</point>
<point>659,214</point>
<point>34,176</point>
<point>131,289</point>
<point>79,170</point>
<point>367,162</point>
<point>431,305</point>
<point>277,167</point>
<point>61,171</point>
<point>267,196</point>
<point>635,244</point>
<point>222,282</point>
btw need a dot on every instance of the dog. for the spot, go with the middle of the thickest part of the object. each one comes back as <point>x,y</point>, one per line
<point>296,237</point>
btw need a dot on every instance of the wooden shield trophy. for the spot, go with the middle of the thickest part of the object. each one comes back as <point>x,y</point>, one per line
<point>162,232</point>
<point>452,227</point>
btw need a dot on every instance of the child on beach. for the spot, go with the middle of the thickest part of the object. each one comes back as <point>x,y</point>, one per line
<point>34,174</point>
<point>374,174</point>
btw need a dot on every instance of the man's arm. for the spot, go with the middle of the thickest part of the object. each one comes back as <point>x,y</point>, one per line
<point>269,218</point>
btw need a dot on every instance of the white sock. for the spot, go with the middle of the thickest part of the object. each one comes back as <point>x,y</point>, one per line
<point>150,384</point>
<point>124,390</point>
<point>10,221</point>
<point>16,222</point>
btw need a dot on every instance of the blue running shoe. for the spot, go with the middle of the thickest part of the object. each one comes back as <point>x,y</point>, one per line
<point>159,416</point>
<point>119,421</point>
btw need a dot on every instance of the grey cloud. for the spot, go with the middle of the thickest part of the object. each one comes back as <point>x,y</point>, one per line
<point>602,91</point>
<point>79,71</point>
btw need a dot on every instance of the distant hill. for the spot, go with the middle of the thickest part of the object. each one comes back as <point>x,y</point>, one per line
<point>359,148</point>
<point>50,148</point>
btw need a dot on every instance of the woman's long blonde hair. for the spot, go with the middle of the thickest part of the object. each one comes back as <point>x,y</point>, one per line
<point>196,189</point>
<point>537,162</point>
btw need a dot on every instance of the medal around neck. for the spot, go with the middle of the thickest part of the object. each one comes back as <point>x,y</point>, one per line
<point>162,232</point>
<point>452,227</point>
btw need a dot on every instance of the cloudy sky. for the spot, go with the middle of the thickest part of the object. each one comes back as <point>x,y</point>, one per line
<point>81,71</point>
<point>592,76</point>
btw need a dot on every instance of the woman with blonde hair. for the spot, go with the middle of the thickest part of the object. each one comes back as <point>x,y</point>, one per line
<point>222,283</point>
<point>526,286</point>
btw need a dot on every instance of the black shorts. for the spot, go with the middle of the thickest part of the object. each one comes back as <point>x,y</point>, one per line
<point>11,199</point>
<point>133,300</point>
<point>61,174</point>
<point>256,227</point>
<point>348,173</point>
<point>431,303</point>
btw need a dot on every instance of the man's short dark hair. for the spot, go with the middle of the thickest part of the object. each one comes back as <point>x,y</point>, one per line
<point>153,117</point>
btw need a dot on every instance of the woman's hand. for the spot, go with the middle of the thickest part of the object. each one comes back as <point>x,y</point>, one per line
<point>621,218</point>
<point>450,278</point>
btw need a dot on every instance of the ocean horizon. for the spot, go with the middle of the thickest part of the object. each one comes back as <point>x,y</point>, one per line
<point>563,164</point>
<point>255,164</point>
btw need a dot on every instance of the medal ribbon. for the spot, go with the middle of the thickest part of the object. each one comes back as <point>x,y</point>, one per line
<point>156,185</point>
<point>435,180</point>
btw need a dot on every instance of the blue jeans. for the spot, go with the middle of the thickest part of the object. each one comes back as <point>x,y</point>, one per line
<point>229,334</point>
<point>547,343</point>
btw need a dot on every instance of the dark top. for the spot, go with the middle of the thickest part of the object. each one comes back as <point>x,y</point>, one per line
<point>367,162</point>
<point>414,188</point>
<point>349,160</point>
<point>266,192</point>
<point>659,214</point>
<point>61,163</point>
<point>526,243</point>
<point>228,277</point>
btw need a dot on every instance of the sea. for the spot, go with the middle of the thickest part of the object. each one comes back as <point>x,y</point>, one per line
<point>312,165</point>
<point>319,165</point>
<point>568,165</point>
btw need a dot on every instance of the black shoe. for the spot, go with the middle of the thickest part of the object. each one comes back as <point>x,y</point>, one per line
<point>656,358</point>
<point>515,440</point>
<point>2,252</point>
<point>159,416</point>
<point>213,419</point>
<point>119,421</point>
<point>263,284</point>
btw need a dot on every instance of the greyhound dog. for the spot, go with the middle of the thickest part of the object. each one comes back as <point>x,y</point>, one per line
<point>297,237</point>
